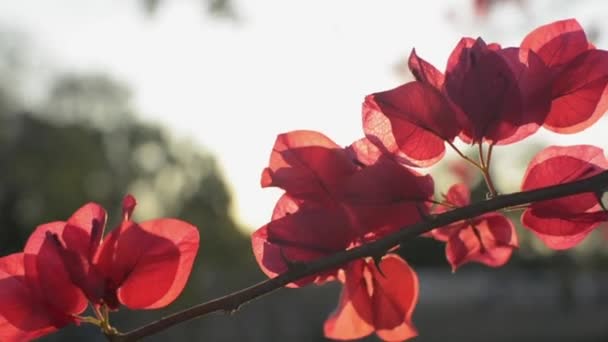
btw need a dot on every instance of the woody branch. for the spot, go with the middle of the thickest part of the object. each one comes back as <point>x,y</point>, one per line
<point>231,302</point>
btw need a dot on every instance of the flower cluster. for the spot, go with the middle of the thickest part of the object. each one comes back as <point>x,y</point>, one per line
<point>339,198</point>
<point>66,266</point>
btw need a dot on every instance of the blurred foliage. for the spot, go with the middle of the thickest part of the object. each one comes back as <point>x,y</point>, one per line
<point>217,8</point>
<point>85,144</point>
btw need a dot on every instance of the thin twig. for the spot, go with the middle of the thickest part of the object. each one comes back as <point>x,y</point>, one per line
<point>489,156</point>
<point>482,161</point>
<point>463,156</point>
<point>485,169</point>
<point>234,300</point>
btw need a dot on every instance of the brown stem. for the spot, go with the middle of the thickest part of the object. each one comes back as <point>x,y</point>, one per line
<point>489,156</point>
<point>234,300</point>
<point>481,158</point>
<point>463,156</point>
<point>516,208</point>
<point>485,169</point>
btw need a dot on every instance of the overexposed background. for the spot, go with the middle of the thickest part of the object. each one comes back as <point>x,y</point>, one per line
<point>232,84</point>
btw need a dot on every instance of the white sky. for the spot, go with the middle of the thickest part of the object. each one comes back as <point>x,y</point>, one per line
<point>286,65</point>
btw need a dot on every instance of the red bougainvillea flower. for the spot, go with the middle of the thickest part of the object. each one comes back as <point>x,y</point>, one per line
<point>31,307</point>
<point>563,223</point>
<point>578,75</point>
<point>480,81</point>
<point>499,91</point>
<point>488,94</point>
<point>141,265</point>
<point>375,299</point>
<point>333,201</point>
<point>488,239</point>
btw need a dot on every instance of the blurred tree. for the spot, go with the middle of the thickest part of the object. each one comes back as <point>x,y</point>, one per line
<point>94,100</point>
<point>218,8</point>
<point>84,144</point>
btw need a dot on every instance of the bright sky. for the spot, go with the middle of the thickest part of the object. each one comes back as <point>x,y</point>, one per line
<point>288,64</point>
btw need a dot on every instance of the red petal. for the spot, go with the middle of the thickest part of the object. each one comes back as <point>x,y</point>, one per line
<point>364,152</point>
<point>386,196</point>
<point>307,164</point>
<point>490,241</point>
<point>394,298</point>
<point>557,43</point>
<point>47,273</point>
<point>534,81</point>
<point>23,316</point>
<point>421,105</point>
<point>401,138</point>
<point>459,195</point>
<point>578,93</point>
<point>286,205</point>
<point>424,71</point>
<point>84,230</point>
<point>387,182</point>
<point>482,83</point>
<point>558,233</point>
<point>305,235</point>
<point>444,233</point>
<point>352,319</point>
<point>150,262</point>
<point>376,299</point>
<point>60,254</point>
<point>455,57</point>
<point>563,223</point>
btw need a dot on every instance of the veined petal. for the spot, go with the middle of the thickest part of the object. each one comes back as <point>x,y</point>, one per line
<point>84,230</point>
<point>408,143</point>
<point>364,152</point>
<point>562,223</point>
<point>23,316</point>
<point>424,71</point>
<point>307,165</point>
<point>578,93</point>
<point>557,43</point>
<point>353,318</point>
<point>150,262</point>
<point>306,234</point>
<point>386,196</point>
<point>48,274</point>
<point>489,240</point>
<point>421,105</point>
<point>394,299</point>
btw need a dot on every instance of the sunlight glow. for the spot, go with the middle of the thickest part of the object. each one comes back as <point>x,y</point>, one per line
<point>286,65</point>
